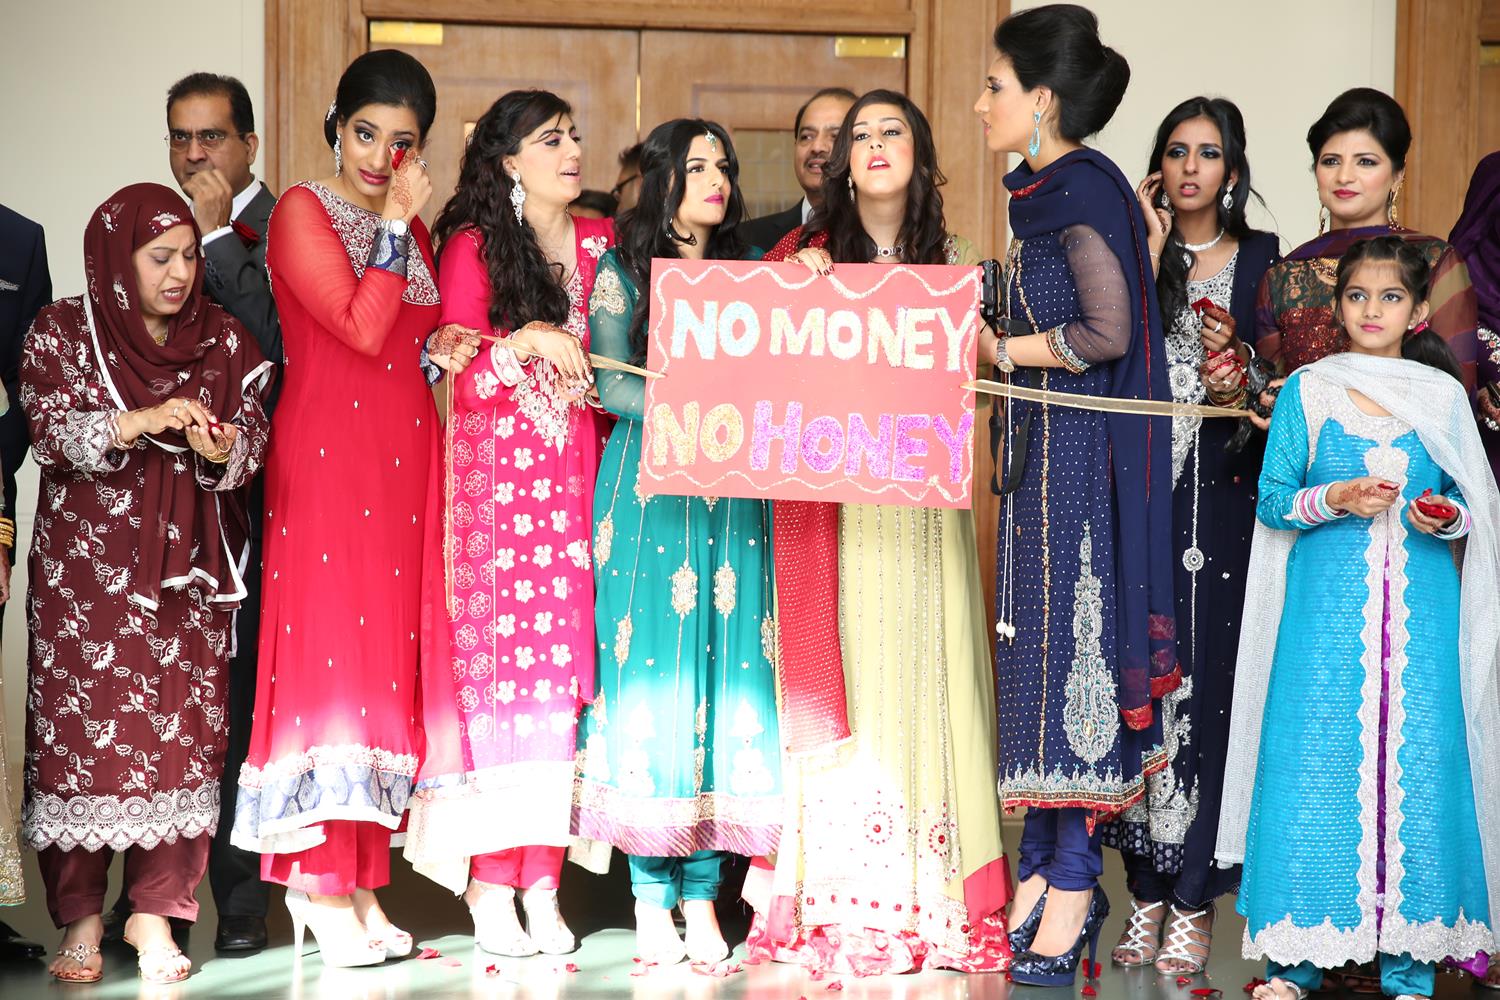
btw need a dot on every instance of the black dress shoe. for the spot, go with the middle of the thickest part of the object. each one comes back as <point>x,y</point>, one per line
<point>240,934</point>
<point>15,948</point>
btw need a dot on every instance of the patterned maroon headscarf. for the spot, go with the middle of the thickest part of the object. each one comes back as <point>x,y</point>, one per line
<point>185,529</point>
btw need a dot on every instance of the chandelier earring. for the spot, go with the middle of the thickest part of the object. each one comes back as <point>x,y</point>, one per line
<point>1166,203</point>
<point>517,195</point>
<point>1228,200</point>
<point>1324,217</point>
<point>338,150</point>
<point>1392,211</point>
<point>1035,145</point>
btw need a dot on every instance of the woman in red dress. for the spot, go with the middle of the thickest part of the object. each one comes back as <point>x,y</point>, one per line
<point>352,519</point>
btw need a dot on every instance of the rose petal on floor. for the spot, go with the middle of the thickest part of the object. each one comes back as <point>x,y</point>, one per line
<point>427,953</point>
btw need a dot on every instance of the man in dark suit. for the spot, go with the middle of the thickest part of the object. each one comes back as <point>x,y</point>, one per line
<point>25,286</point>
<point>816,126</point>
<point>211,144</point>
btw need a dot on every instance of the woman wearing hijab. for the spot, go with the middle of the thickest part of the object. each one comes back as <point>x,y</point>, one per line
<point>144,402</point>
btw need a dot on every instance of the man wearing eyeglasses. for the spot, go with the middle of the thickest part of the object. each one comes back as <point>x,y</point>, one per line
<point>815,128</point>
<point>211,144</point>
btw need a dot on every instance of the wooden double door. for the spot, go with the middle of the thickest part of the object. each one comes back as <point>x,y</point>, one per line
<point>624,82</point>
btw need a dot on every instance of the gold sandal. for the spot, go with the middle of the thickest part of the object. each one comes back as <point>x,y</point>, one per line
<point>79,953</point>
<point>159,956</point>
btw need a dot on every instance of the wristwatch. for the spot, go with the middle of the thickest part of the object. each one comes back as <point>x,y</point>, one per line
<point>397,228</point>
<point>1002,356</point>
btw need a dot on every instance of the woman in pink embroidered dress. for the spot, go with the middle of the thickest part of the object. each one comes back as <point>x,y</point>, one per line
<point>493,803</point>
<point>352,525</point>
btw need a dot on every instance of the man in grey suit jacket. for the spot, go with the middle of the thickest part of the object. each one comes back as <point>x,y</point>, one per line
<point>212,145</point>
<point>816,126</point>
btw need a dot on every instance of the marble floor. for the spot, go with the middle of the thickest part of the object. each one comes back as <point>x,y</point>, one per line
<point>603,966</point>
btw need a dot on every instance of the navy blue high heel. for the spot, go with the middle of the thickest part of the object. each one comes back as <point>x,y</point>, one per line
<point>1024,933</point>
<point>1031,969</point>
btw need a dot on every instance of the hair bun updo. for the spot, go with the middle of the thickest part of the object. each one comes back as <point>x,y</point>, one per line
<point>384,76</point>
<point>1058,47</point>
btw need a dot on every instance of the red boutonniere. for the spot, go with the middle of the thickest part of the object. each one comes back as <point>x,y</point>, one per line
<point>247,236</point>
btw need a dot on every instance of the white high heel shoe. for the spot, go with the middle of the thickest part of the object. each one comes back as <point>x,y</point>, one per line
<point>497,929</point>
<point>395,942</point>
<point>544,923</point>
<point>337,950</point>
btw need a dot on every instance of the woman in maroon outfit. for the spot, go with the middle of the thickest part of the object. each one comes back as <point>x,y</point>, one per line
<point>144,400</point>
<point>352,520</point>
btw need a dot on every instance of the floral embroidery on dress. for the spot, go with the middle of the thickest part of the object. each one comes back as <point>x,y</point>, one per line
<point>684,590</point>
<point>596,245</point>
<point>609,294</point>
<point>537,395</point>
<point>1185,356</point>
<point>1090,719</point>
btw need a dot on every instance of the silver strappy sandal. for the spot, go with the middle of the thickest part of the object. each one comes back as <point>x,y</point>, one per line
<point>1142,935</point>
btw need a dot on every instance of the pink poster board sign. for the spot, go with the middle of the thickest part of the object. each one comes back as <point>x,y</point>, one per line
<point>781,384</point>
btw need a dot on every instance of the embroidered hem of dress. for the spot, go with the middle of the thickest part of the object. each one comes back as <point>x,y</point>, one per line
<point>1104,795</point>
<point>94,822</point>
<point>864,921</point>
<point>865,951</point>
<point>663,827</point>
<point>284,815</point>
<point>1329,947</point>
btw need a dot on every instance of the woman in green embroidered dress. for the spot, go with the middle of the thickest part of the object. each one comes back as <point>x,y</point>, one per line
<point>680,750</point>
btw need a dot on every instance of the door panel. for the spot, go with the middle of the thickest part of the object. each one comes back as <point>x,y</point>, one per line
<point>755,83</point>
<point>592,69</point>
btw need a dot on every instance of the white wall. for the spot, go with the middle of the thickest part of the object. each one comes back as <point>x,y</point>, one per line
<point>85,113</point>
<point>1281,61</point>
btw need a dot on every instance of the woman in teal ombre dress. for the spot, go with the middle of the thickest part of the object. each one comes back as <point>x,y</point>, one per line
<point>679,755</point>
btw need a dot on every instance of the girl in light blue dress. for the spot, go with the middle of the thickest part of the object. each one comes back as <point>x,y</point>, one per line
<point>1362,783</point>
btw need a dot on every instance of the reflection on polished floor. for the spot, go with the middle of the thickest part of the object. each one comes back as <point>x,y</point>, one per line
<point>599,911</point>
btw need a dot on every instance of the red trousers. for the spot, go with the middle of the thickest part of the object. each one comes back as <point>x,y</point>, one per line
<point>160,880</point>
<point>521,867</point>
<point>353,855</point>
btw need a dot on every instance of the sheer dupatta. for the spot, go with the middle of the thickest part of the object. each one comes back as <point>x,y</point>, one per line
<point>1437,409</point>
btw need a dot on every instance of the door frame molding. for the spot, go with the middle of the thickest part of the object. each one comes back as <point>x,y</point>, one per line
<point>1440,92</point>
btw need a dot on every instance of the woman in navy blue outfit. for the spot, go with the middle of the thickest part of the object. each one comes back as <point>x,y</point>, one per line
<point>1209,264</point>
<point>1086,649</point>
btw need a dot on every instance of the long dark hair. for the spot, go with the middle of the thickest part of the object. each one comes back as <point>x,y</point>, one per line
<point>1176,259</point>
<point>384,76</point>
<point>1423,345</point>
<point>646,230</point>
<point>924,231</point>
<point>524,285</point>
